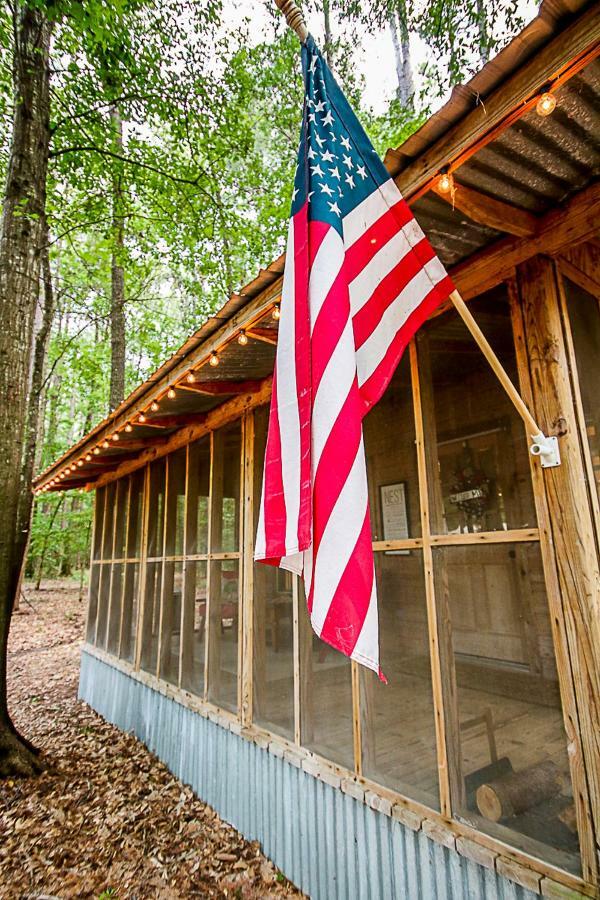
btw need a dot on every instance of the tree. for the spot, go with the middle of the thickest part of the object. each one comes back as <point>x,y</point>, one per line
<point>22,235</point>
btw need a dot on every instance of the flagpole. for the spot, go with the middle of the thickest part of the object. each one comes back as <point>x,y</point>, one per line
<point>294,17</point>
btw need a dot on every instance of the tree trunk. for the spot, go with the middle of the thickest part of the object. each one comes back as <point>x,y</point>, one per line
<point>398,22</point>
<point>117,299</point>
<point>328,48</point>
<point>22,236</point>
<point>482,27</point>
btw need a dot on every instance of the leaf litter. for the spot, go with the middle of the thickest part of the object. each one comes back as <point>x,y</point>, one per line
<point>108,819</point>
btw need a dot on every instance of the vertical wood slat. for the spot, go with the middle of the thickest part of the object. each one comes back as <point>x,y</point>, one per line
<point>114,555</point>
<point>214,636</point>
<point>163,616</point>
<point>142,613</point>
<point>189,572</point>
<point>126,566</point>
<point>585,447</point>
<point>246,640</point>
<point>92,550</point>
<point>557,619</point>
<point>133,538</point>
<point>432,612</point>
<point>296,662</point>
<point>209,579</point>
<point>570,518</point>
<point>104,567</point>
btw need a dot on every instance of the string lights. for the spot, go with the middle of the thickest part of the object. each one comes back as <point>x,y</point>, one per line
<point>141,418</point>
<point>242,338</point>
<point>214,359</point>
<point>115,436</point>
<point>96,451</point>
<point>154,406</point>
<point>445,183</point>
<point>190,378</point>
<point>546,104</point>
<point>128,428</point>
<point>171,393</point>
<point>276,314</point>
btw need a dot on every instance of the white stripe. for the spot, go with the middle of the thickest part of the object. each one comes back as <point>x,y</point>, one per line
<point>370,355</point>
<point>369,210</point>
<point>339,539</point>
<point>386,259</point>
<point>332,392</point>
<point>287,398</point>
<point>325,269</point>
<point>366,649</point>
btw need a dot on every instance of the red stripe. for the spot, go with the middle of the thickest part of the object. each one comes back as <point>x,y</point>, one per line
<point>368,317</point>
<point>303,240</point>
<point>274,511</point>
<point>368,244</point>
<point>329,327</point>
<point>372,389</point>
<point>350,603</point>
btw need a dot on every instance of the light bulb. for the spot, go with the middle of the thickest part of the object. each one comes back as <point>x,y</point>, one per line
<point>445,183</point>
<point>171,393</point>
<point>62,475</point>
<point>190,378</point>
<point>105,444</point>
<point>214,359</point>
<point>242,338</point>
<point>96,451</point>
<point>546,104</point>
<point>129,428</point>
<point>115,437</point>
<point>154,406</point>
<point>276,314</point>
<point>141,418</point>
<point>88,456</point>
<point>80,462</point>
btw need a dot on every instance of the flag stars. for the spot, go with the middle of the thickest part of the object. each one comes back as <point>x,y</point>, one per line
<point>317,170</point>
<point>312,118</point>
<point>294,194</point>
<point>313,63</point>
<point>319,107</point>
<point>349,179</point>
<point>311,153</point>
<point>327,119</point>
<point>348,161</point>
<point>325,188</point>
<point>320,141</point>
<point>327,156</point>
<point>334,208</point>
<point>335,173</point>
<point>361,171</point>
<point>345,142</point>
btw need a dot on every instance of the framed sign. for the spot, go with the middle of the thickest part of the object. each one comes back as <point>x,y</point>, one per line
<point>394,514</point>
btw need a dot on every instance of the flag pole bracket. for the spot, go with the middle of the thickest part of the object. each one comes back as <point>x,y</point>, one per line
<point>547,449</point>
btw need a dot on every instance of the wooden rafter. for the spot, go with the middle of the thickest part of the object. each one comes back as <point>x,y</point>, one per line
<point>491,212</point>
<point>267,335</point>
<point>217,388</point>
<point>171,421</point>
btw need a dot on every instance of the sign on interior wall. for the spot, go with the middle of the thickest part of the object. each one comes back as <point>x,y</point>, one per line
<point>394,514</point>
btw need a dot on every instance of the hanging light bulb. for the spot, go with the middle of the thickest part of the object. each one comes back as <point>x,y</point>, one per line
<point>214,359</point>
<point>88,457</point>
<point>115,436</point>
<point>129,428</point>
<point>141,418</point>
<point>79,462</point>
<point>242,338</point>
<point>105,444</point>
<point>445,183</point>
<point>546,104</point>
<point>96,451</point>
<point>276,314</point>
<point>154,406</point>
<point>62,475</point>
<point>190,378</point>
<point>171,393</point>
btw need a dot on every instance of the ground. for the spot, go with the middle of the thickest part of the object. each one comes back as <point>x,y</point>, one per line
<point>107,819</point>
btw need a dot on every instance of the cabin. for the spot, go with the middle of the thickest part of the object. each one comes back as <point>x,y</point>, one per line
<point>476,771</point>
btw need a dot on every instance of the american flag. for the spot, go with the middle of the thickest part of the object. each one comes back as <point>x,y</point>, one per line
<point>360,278</point>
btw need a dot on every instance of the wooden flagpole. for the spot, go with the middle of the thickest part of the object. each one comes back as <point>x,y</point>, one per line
<point>295,19</point>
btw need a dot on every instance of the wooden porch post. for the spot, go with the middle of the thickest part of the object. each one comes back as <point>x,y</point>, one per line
<point>568,504</point>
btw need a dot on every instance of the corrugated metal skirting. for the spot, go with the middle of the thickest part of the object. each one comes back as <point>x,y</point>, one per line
<point>328,844</point>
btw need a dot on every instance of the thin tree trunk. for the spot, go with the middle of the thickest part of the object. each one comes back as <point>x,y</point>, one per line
<point>328,39</point>
<point>22,236</point>
<point>47,537</point>
<point>117,299</point>
<point>398,22</point>
<point>482,26</point>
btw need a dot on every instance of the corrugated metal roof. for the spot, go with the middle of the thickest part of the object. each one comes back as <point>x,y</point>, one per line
<point>534,164</point>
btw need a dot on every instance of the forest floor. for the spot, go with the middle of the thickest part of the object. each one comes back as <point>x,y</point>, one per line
<point>107,820</point>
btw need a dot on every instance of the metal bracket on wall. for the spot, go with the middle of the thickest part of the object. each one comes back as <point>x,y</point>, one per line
<point>547,449</point>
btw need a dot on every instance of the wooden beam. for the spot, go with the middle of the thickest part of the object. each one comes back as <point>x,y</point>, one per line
<point>172,421</point>
<point>570,522</point>
<point>217,388</point>
<point>133,445</point>
<point>490,212</point>
<point>267,335</point>
<point>527,81</point>
<point>576,221</point>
